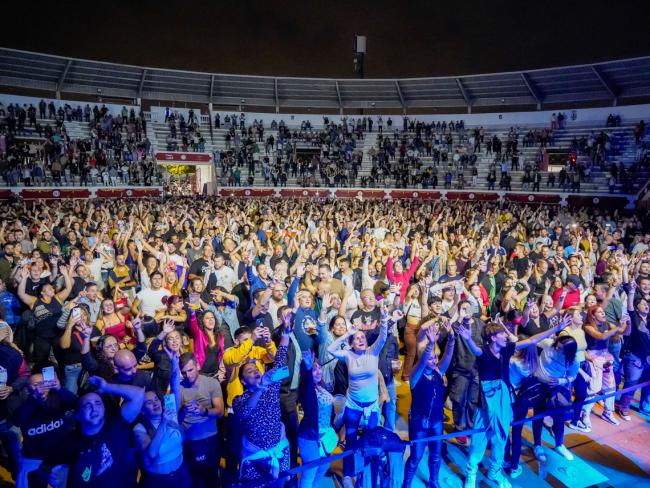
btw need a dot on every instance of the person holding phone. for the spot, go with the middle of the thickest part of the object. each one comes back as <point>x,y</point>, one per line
<point>557,369</point>
<point>636,354</point>
<point>44,424</point>
<point>159,439</point>
<point>68,352</point>
<point>599,331</point>
<point>201,405</point>
<point>265,448</point>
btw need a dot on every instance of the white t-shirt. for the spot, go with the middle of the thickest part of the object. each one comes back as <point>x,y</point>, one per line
<point>151,300</point>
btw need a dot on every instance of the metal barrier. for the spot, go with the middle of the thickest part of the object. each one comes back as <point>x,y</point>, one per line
<point>465,433</point>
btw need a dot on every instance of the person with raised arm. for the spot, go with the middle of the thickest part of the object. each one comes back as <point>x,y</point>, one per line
<point>494,415</point>
<point>265,448</point>
<point>104,455</point>
<point>159,439</point>
<point>362,361</point>
<point>316,437</point>
<point>428,396</point>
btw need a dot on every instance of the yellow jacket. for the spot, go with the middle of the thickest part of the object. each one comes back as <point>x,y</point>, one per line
<point>236,356</point>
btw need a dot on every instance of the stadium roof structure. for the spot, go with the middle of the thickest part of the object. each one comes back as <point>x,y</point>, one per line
<point>606,83</point>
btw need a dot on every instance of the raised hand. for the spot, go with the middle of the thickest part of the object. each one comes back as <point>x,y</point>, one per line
<point>168,326</point>
<point>432,333</point>
<point>98,382</point>
<point>308,359</point>
<point>326,301</point>
<point>397,315</point>
<point>86,330</point>
<point>300,271</point>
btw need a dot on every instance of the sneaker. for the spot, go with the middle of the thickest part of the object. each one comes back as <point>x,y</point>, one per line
<point>564,452</point>
<point>579,426</point>
<point>608,416</point>
<point>540,454</point>
<point>516,473</point>
<point>470,481</point>
<point>624,413</point>
<point>499,478</point>
<point>586,421</point>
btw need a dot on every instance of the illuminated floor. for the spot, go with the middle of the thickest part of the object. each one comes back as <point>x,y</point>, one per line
<point>617,456</point>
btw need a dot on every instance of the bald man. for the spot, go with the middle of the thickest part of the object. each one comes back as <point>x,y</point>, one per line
<point>126,372</point>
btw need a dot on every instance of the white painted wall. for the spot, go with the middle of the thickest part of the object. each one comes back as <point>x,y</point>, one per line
<point>629,114</point>
<point>113,109</point>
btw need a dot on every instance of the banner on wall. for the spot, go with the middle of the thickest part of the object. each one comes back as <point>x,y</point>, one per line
<point>583,200</point>
<point>183,157</point>
<point>431,195</point>
<point>54,193</point>
<point>84,193</point>
<point>128,192</point>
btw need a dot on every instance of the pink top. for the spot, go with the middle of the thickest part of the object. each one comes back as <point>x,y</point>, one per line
<point>201,341</point>
<point>403,278</point>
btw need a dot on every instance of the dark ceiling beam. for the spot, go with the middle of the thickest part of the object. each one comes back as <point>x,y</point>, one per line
<point>401,97</point>
<point>465,95</point>
<point>62,78</point>
<point>534,91</point>
<point>609,86</point>
<point>141,86</point>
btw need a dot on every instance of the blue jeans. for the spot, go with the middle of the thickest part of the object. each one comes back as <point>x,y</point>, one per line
<point>580,391</point>
<point>389,409</point>
<point>352,419</point>
<point>636,371</point>
<point>310,451</point>
<point>71,373</point>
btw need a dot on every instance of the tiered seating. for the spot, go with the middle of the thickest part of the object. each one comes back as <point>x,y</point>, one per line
<point>623,149</point>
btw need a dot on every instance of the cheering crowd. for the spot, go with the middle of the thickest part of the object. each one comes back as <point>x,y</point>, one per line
<point>208,342</point>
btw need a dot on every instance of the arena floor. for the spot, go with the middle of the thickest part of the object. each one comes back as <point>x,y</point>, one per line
<point>616,456</point>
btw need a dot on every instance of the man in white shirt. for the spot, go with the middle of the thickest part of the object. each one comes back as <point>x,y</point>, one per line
<point>226,276</point>
<point>277,301</point>
<point>148,300</point>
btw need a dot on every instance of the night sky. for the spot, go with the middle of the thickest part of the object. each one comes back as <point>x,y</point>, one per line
<point>405,38</point>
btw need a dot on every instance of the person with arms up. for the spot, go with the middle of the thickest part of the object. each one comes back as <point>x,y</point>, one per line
<point>265,452</point>
<point>428,395</point>
<point>159,438</point>
<point>104,456</point>
<point>494,415</point>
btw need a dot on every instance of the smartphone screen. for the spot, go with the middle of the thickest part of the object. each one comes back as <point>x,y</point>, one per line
<point>169,407</point>
<point>280,374</point>
<point>49,376</point>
